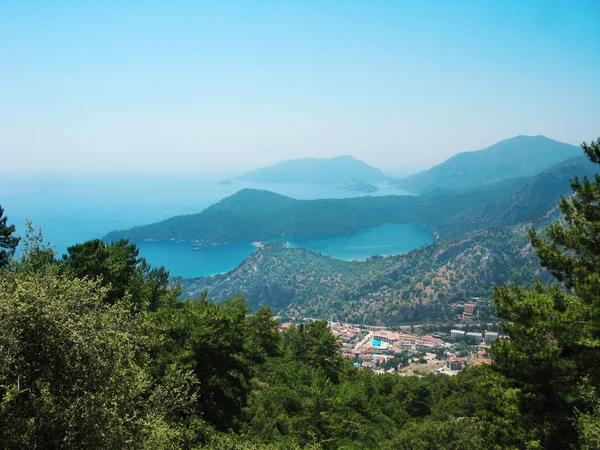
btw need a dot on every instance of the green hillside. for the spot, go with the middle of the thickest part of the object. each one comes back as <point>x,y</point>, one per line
<point>315,170</point>
<point>418,286</point>
<point>516,157</point>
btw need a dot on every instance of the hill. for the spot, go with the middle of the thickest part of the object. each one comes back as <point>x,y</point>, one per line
<point>255,215</point>
<point>516,157</point>
<point>314,170</point>
<point>415,287</point>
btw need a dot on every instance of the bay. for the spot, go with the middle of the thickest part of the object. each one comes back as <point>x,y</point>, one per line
<point>387,239</point>
<point>73,208</point>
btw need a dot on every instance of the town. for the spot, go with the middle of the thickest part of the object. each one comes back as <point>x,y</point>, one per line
<point>409,350</point>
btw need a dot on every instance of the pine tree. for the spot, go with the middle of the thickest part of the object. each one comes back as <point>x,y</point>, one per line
<point>8,242</point>
<point>553,356</point>
<point>572,251</point>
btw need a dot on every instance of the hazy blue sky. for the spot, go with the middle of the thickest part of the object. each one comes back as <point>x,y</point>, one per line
<point>197,85</point>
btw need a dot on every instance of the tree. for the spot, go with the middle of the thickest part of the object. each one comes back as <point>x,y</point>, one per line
<point>115,264</point>
<point>209,340</point>
<point>263,335</point>
<point>37,255</point>
<point>572,250</point>
<point>123,272</point>
<point>8,242</point>
<point>73,371</point>
<point>314,344</point>
<point>553,356</point>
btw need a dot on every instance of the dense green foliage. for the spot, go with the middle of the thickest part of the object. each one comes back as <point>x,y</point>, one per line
<point>553,357</point>
<point>72,368</point>
<point>97,352</point>
<point>252,215</point>
<point>516,157</point>
<point>314,170</point>
<point>8,242</point>
<point>80,368</point>
<point>120,269</point>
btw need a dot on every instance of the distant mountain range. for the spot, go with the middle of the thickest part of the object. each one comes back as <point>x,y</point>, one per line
<point>481,213</point>
<point>314,170</point>
<point>255,215</point>
<point>516,157</point>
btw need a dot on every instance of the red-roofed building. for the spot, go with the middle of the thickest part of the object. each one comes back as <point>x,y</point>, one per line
<point>483,354</point>
<point>455,363</point>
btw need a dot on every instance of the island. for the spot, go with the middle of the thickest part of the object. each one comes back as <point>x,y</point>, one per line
<point>352,184</point>
<point>316,170</point>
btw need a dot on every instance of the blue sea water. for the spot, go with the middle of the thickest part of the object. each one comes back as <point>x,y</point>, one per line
<point>75,208</point>
<point>386,239</point>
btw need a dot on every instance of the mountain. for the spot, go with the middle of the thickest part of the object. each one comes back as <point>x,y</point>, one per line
<point>516,157</point>
<point>539,194</point>
<point>255,215</point>
<point>314,170</point>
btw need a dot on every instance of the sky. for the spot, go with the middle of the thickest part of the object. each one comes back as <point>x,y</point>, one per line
<point>197,86</point>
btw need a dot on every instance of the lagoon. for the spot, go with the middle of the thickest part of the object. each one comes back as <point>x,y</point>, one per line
<point>387,239</point>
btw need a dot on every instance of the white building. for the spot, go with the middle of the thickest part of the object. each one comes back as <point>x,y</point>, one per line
<point>457,334</point>
<point>490,336</point>
<point>475,336</point>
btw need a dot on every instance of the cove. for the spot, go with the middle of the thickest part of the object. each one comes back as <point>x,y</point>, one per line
<point>387,239</point>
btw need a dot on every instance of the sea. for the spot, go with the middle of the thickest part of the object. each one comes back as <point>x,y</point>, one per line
<point>74,208</point>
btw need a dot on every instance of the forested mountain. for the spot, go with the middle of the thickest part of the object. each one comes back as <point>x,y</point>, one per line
<point>415,287</point>
<point>315,170</point>
<point>254,215</point>
<point>516,157</point>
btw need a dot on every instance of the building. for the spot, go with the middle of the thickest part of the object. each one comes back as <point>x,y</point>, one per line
<point>457,334</point>
<point>365,357</point>
<point>490,336</point>
<point>378,360</point>
<point>483,354</point>
<point>428,342</point>
<point>469,311</point>
<point>454,363</point>
<point>471,335</point>
<point>388,337</point>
